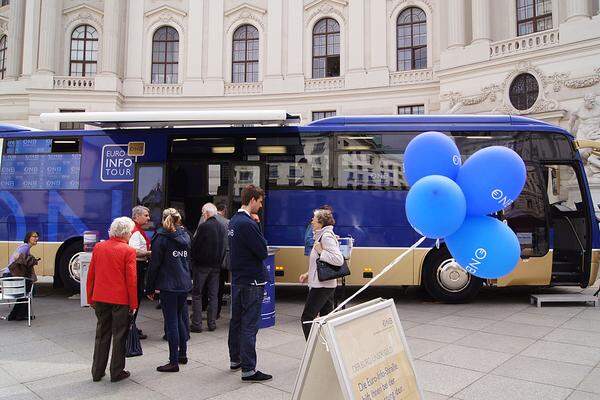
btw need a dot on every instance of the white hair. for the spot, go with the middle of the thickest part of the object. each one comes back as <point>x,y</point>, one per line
<point>121,227</point>
<point>210,209</point>
<point>139,210</point>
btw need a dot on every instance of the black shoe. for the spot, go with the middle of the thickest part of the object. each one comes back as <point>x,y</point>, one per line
<point>195,329</point>
<point>98,378</point>
<point>164,337</point>
<point>235,367</point>
<point>168,368</point>
<point>143,336</point>
<point>122,375</point>
<point>183,360</point>
<point>257,377</point>
<point>158,306</point>
<point>212,328</point>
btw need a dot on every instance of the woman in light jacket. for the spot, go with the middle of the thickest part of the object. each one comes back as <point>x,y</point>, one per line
<point>326,248</point>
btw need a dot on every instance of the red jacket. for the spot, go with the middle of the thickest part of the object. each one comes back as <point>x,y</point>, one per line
<point>112,276</point>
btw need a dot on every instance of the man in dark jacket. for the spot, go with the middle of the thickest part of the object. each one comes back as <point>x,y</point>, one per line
<point>208,251</point>
<point>247,249</point>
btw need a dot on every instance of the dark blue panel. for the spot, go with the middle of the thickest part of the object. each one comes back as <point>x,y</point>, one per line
<point>373,218</point>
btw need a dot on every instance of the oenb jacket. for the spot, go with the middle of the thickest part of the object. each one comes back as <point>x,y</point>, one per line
<point>247,249</point>
<point>169,268</point>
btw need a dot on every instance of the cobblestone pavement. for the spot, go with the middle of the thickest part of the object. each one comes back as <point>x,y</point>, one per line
<point>497,347</point>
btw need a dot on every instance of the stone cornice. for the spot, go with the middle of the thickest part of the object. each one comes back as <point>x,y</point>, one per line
<point>165,9</point>
<point>82,7</point>
<point>246,7</point>
<point>342,3</point>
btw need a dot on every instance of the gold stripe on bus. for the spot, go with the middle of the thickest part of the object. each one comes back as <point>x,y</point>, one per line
<point>44,250</point>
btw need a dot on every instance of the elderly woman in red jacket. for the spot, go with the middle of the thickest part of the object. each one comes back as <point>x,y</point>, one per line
<point>112,292</point>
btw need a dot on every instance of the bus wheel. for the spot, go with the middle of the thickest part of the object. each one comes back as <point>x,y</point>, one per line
<point>69,266</point>
<point>446,281</point>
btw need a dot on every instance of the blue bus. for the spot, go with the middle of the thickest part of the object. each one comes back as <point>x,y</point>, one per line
<point>62,183</point>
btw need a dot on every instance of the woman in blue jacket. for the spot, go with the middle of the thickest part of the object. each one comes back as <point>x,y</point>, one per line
<point>169,272</point>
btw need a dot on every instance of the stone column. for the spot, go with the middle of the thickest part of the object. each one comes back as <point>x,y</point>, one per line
<point>194,39</point>
<point>356,36</point>
<point>49,24</point>
<point>111,37</point>
<point>295,17</point>
<point>378,69</point>
<point>214,70</point>
<point>456,23</point>
<point>30,35</point>
<point>133,84</point>
<point>577,9</point>
<point>481,21</point>
<point>274,28</point>
<point>16,23</point>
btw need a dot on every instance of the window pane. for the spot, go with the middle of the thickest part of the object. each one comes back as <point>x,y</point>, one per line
<point>333,66</point>
<point>319,68</point>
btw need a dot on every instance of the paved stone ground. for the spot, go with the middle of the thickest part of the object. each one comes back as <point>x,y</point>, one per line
<point>497,347</point>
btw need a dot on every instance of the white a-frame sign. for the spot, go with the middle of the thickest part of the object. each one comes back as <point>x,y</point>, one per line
<point>359,353</point>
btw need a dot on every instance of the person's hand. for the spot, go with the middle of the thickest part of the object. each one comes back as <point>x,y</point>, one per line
<point>318,247</point>
<point>132,311</point>
<point>150,296</point>
<point>93,305</point>
<point>303,277</point>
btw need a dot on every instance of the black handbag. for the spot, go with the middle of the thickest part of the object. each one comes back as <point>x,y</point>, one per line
<point>133,346</point>
<point>326,271</point>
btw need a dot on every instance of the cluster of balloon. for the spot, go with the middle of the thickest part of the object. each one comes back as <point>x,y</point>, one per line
<point>451,201</point>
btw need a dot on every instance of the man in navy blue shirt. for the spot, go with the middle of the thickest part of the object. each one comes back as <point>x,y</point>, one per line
<point>247,250</point>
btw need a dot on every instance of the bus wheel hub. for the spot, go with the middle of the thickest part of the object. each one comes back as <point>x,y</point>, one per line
<point>452,277</point>
<point>75,267</point>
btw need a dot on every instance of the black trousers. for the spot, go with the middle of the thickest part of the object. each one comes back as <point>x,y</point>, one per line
<point>319,302</point>
<point>223,277</point>
<point>19,310</point>
<point>113,322</point>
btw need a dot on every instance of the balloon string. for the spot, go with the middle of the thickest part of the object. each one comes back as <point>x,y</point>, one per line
<point>386,269</point>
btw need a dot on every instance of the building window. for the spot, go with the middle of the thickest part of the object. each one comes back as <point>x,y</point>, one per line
<point>245,54</point>
<point>417,109</point>
<point>523,91</point>
<point>84,51</point>
<point>533,16</point>
<point>326,49</point>
<point>322,114</point>
<point>165,55</point>
<point>2,56</point>
<point>411,39</point>
<point>69,126</point>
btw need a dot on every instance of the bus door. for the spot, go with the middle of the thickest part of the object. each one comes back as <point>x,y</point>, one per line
<point>149,190</point>
<point>569,225</point>
<point>241,175</point>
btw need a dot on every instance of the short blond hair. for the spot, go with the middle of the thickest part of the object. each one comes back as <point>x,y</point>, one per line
<point>171,219</point>
<point>324,217</point>
<point>121,227</point>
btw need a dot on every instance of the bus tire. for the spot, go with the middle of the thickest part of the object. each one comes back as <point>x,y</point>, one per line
<point>445,281</point>
<point>66,255</point>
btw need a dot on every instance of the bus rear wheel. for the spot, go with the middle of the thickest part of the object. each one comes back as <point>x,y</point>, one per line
<point>69,266</point>
<point>446,281</point>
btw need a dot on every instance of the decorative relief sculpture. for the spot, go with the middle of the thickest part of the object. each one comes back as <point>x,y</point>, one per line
<point>585,125</point>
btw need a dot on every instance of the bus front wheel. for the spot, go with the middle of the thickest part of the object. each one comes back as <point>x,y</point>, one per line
<point>68,265</point>
<point>446,281</point>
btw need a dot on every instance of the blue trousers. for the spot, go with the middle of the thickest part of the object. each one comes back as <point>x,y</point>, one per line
<point>174,308</point>
<point>246,302</point>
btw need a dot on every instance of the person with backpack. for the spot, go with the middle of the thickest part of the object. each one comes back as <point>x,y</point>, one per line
<point>169,272</point>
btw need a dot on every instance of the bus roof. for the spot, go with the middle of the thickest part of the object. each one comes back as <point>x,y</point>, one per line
<point>427,119</point>
<point>158,118</point>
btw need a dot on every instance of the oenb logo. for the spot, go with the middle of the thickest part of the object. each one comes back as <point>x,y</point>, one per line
<point>478,257</point>
<point>179,253</point>
<point>499,196</point>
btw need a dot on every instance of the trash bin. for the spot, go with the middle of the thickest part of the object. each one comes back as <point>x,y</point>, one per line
<point>267,315</point>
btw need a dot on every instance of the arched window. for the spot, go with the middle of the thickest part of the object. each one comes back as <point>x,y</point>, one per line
<point>245,54</point>
<point>411,39</point>
<point>165,55</point>
<point>84,51</point>
<point>2,56</point>
<point>326,49</point>
<point>523,91</point>
<point>533,16</point>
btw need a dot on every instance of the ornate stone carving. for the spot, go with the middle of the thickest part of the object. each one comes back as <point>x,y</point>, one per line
<point>585,125</point>
<point>397,4</point>
<point>413,76</point>
<point>83,15</point>
<point>165,16</point>
<point>324,8</point>
<point>562,79</point>
<point>245,14</point>
<point>493,92</point>
<point>324,84</point>
<point>243,88</point>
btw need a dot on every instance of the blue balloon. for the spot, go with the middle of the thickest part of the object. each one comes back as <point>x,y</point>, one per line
<point>485,247</point>
<point>491,179</point>
<point>431,153</point>
<point>435,206</point>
